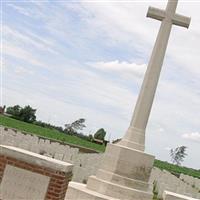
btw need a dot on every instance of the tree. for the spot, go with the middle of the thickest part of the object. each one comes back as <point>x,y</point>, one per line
<point>178,154</point>
<point>26,114</point>
<point>100,134</point>
<point>75,126</point>
<point>14,111</point>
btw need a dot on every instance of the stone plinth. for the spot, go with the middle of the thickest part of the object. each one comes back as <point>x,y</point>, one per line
<point>123,174</point>
<point>27,175</point>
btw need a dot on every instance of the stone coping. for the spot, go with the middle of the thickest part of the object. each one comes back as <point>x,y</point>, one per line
<point>175,196</point>
<point>34,158</point>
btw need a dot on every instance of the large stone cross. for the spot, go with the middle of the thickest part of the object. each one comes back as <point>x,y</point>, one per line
<point>169,15</point>
<point>125,169</point>
<point>135,135</point>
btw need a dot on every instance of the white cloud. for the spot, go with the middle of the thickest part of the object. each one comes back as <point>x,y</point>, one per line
<point>195,136</point>
<point>21,53</point>
<point>28,40</point>
<point>23,71</point>
<point>121,22</point>
<point>19,9</point>
<point>120,67</point>
<point>126,23</point>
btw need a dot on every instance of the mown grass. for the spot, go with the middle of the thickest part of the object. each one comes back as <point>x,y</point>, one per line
<point>48,133</point>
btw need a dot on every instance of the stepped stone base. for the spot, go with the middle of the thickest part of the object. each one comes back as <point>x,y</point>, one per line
<point>123,174</point>
<point>80,191</point>
<point>116,190</point>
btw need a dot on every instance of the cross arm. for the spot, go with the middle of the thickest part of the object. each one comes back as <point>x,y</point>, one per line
<point>156,13</point>
<point>176,19</point>
<point>181,20</point>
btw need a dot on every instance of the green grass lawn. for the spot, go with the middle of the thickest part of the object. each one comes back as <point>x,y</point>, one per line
<point>54,134</point>
<point>48,133</point>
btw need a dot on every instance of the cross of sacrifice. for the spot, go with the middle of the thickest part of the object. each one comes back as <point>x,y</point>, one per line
<point>135,135</point>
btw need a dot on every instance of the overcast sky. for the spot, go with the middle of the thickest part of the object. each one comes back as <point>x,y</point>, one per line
<point>87,60</point>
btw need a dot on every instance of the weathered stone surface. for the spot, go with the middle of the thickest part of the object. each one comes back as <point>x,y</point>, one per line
<point>23,184</point>
<point>27,175</point>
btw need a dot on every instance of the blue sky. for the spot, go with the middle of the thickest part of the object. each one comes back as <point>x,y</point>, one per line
<point>87,59</point>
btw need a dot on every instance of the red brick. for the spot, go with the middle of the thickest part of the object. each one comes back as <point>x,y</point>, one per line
<point>10,162</point>
<point>58,177</point>
<point>53,194</point>
<point>2,167</point>
<point>56,186</point>
<point>41,171</point>
<point>11,159</point>
<point>52,180</point>
<point>47,173</point>
<point>58,191</point>
<point>2,160</point>
<point>60,182</point>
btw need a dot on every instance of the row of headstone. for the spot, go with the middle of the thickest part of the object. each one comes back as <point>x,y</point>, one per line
<point>85,164</point>
<point>194,182</point>
<point>163,180</point>
<point>35,144</point>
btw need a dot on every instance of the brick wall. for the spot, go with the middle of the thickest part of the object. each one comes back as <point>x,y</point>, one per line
<point>58,180</point>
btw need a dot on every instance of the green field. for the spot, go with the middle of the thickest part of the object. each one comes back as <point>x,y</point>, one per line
<point>176,170</point>
<point>56,135</point>
<point>48,133</point>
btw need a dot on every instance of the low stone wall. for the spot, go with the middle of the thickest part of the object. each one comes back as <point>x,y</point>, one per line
<point>27,175</point>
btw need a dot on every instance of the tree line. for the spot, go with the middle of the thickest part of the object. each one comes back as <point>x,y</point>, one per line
<point>28,114</point>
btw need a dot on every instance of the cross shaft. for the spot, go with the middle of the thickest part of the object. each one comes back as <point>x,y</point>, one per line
<point>135,135</point>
